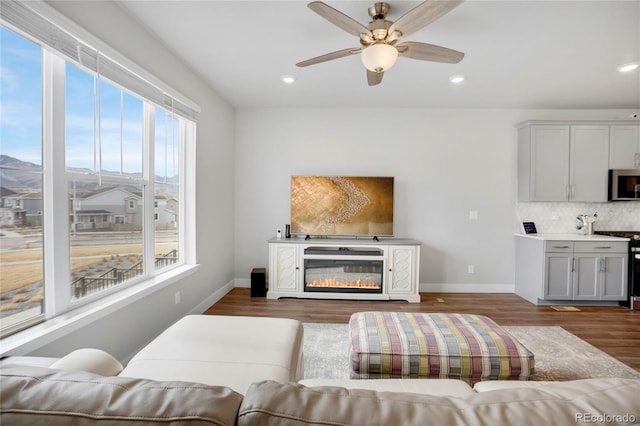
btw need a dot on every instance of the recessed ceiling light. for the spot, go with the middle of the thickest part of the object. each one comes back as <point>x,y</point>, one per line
<point>456,79</point>
<point>628,67</point>
<point>288,79</point>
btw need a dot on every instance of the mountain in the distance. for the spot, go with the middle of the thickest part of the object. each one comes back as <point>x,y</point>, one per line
<point>27,177</point>
<point>18,174</point>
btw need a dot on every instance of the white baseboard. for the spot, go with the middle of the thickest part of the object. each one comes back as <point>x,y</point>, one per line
<point>466,288</point>
<point>217,295</point>
<point>242,282</point>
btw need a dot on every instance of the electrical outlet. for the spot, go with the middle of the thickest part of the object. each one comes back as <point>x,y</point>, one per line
<point>177,297</point>
<point>471,269</point>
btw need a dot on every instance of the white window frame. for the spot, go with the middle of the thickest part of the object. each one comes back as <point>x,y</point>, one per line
<point>63,315</point>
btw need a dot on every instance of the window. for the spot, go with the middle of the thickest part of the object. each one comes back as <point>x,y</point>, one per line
<point>121,169</point>
<point>21,255</point>
<point>167,193</point>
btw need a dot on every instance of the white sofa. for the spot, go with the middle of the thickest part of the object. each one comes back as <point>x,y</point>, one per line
<point>184,377</point>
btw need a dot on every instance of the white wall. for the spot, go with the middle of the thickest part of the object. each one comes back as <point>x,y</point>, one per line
<point>125,331</point>
<point>446,163</point>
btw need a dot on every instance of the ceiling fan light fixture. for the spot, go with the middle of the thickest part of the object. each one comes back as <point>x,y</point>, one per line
<point>379,57</point>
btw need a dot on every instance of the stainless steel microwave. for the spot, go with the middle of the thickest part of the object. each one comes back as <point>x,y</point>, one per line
<point>624,185</point>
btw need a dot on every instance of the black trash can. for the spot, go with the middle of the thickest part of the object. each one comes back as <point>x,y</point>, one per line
<point>258,282</point>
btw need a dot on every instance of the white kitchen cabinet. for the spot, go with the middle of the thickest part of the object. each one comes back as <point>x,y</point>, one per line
<point>543,162</point>
<point>589,163</point>
<point>587,269</point>
<point>624,147</point>
<point>569,161</point>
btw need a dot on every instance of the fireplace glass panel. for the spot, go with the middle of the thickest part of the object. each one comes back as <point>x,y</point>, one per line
<point>343,275</point>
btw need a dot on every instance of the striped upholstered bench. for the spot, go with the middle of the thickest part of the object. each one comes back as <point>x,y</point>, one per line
<point>421,345</point>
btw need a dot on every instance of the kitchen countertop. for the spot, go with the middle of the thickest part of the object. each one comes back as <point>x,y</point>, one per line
<point>571,237</point>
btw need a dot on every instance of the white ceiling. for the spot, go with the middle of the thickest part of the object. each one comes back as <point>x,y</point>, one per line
<point>519,54</point>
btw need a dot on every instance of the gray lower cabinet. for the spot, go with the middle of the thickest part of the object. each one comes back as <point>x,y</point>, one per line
<point>571,270</point>
<point>558,279</point>
<point>558,270</point>
<point>590,271</point>
<point>600,270</point>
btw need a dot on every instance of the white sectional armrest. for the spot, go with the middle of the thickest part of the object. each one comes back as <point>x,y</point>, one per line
<point>91,360</point>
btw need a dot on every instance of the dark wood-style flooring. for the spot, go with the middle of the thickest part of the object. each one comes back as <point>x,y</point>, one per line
<point>614,330</point>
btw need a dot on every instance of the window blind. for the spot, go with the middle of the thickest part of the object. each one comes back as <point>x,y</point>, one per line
<point>23,17</point>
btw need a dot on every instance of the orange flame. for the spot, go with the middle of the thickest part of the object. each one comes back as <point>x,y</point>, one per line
<point>332,282</point>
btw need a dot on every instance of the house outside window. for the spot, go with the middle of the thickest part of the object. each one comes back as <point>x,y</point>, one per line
<point>107,133</point>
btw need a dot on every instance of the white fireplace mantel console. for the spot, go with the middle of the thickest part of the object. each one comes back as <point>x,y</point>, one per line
<point>394,262</point>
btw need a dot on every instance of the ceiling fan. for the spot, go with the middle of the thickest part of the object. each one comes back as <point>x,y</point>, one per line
<point>378,39</point>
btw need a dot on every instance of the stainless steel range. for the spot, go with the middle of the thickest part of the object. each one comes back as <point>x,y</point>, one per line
<point>634,265</point>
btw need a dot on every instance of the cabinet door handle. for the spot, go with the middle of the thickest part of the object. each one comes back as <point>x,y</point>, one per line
<point>563,247</point>
<point>567,192</point>
<point>603,266</point>
<point>573,191</point>
<point>573,264</point>
<point>603,247</point>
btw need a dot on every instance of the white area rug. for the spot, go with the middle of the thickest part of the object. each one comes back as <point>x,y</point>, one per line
<point>559,355</point>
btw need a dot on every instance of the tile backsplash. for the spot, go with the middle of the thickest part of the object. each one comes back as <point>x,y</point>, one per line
<point>560,218</point>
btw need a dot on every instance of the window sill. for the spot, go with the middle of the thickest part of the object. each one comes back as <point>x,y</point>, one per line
<point>34,337</point>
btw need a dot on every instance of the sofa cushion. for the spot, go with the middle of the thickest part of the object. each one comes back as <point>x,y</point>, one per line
<point>270,403</point>
<point>44,396</point>
<point>90,360</point>
<point>232,351</point>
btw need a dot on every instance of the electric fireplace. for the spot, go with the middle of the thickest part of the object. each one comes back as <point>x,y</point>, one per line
<point>339,271</point>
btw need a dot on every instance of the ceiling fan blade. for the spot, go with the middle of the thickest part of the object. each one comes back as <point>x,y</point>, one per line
<point>330,56</point>
<point>422,15</point>
<point>374,78</point>
<point>338,18</point>
<point>429,52</point>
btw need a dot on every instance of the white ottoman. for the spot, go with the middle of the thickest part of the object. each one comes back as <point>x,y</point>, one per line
<point>223,350</point>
